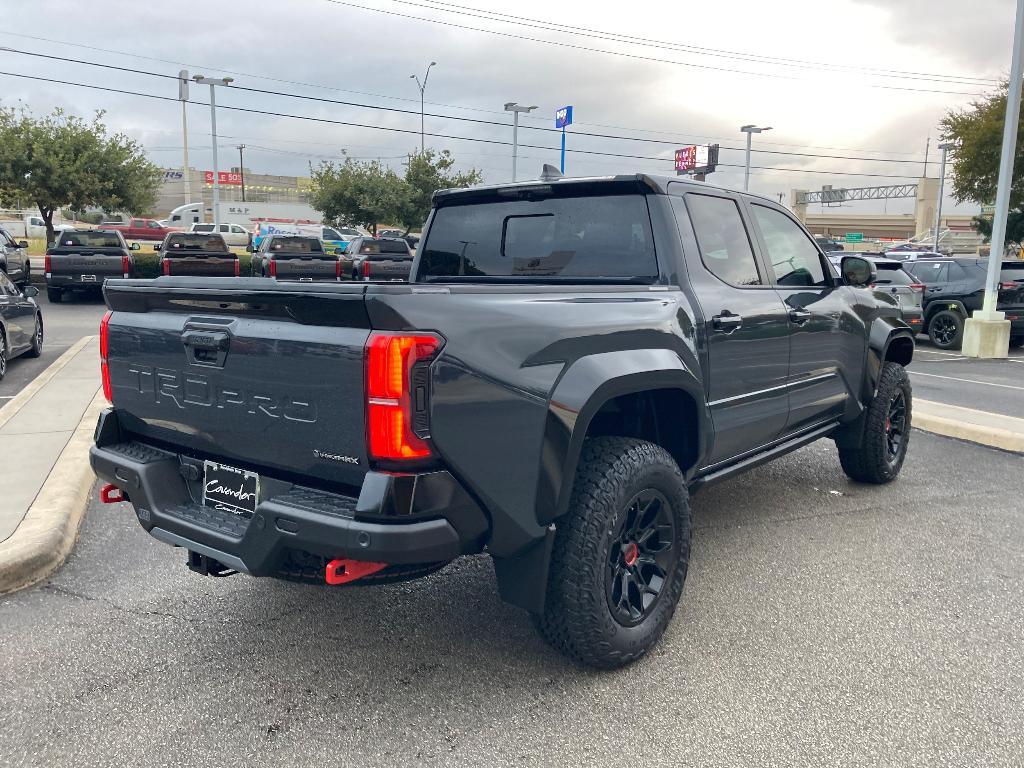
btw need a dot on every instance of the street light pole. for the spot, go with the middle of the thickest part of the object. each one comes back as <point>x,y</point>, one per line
<point>515,109</point>
<point>213,82</point>
<point>423,89</point>
<point>942,183</point>
<point>241,169</point>
<point>183,97</point>
<point>750,130</point>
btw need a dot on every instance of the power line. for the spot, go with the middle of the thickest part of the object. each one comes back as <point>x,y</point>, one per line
<point>636,56</point>
<point>339,102</point>
<point>329,121</point>
<point>464,10</point>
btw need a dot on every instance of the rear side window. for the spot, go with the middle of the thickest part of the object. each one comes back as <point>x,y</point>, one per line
<point>193,241</point>
<point>930,272</point>
<point>893,274</point>
<point>722,239</point>
<point>90,239</point>
<point>794,258</point>
<point>296,245</point>
<point>393,247</point>
<point>591,236</point>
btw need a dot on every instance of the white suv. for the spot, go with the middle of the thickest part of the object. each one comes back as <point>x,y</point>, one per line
<point>232,233</point>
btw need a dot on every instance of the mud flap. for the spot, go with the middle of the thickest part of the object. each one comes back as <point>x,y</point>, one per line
<point>523,579</point>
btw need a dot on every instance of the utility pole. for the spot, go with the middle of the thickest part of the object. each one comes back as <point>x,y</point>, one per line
<point>515,109</point>
<point>183,98</point>
<point>241,169</point>
<point>750,130</point>
<point>927,145</point>
<point>423,89</point>
<point>945,146</point>
<point>213,82</point>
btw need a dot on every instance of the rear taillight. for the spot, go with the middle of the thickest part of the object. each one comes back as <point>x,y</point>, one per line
<point>1009,286</point>
<point>272,268</point>
<point>366,269</point>
<point>396,390</point>
<point>104,351</point>
<point>238,267</point>
<point>46,265</point>
<point>125,266</point>
<point>166,266</point>
<point>919,287</point>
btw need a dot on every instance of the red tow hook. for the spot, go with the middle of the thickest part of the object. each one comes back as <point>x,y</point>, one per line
<point>111,494</point>
<point>345,571</point>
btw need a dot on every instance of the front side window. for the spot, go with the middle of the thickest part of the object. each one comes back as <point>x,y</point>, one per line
<point>793,256</point>
<point>721,238</point>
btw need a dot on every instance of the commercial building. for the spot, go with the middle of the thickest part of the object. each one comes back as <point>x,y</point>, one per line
<point>258,188</point>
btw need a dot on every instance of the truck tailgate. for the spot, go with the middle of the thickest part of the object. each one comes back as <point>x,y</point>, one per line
<point>201,264</point>
<point>246,373</point>
<point>307,268</point>
<point>97,264</point>
<point>388,269</point>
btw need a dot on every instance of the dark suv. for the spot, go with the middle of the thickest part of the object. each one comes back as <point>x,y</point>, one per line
<point>955,287</point>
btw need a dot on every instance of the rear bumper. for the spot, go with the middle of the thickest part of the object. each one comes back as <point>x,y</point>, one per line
<point>76,281</point>
<point>396,519</point>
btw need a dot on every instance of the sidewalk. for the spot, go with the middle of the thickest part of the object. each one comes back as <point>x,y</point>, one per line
<point>995,430</point>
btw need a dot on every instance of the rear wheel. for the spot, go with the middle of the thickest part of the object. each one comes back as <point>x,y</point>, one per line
<point>620,554</point>
<point>54,295</point>
<point>873,448</point>
<point>946,329</point>
<point>37,339</point>
<point>3,355</point>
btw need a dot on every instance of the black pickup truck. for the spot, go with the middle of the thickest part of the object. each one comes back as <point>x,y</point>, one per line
<point>197,255</point>
<point>83,259</point>
<point>295,257</point>
<point>571,360</point>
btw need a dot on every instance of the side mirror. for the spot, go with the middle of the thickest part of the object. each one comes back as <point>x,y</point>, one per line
<point>248,247</point>
<point>857,272</point>
<point>23,243</point>
<point>134,247</point>
<point>30,292</point>
<point>156,247</point>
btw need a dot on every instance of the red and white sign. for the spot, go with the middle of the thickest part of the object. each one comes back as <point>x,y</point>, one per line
<point>686,159</point>
<point>223,177</point>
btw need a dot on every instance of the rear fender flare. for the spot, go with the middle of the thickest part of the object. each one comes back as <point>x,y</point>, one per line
<point>581,391</point>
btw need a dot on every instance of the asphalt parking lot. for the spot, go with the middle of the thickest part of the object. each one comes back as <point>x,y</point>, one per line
<point>823,623</point>
<point>987,385</point>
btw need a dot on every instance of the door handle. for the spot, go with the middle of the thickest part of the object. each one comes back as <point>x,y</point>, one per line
<point>726,321</point>
<point>799,316</point>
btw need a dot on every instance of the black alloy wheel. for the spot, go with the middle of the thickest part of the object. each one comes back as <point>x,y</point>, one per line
<point>895,427</point>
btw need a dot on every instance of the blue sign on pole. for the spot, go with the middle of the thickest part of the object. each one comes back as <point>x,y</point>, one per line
<point>563,118</point>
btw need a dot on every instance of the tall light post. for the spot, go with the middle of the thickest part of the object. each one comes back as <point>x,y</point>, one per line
<point>515,109</point>
<point>183,79</point>
<point>942,183</point>
<point>750,130</point>
<point>213,82</point>
<point>241,168</point>
<point>987,333</point>
<point>423,89</point>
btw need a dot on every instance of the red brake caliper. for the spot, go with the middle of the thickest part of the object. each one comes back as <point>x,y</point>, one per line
<point>631,553</point>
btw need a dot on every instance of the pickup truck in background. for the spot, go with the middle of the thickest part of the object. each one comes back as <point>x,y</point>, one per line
<point>84,259</point>
<point>570,361</point>
<point>295,257</point>
<point>30,227</point>
<point>376,258</point>
<point>139,229</point>
<point>188,253</point>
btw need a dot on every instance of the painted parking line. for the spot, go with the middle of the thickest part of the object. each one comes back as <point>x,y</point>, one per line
<point>966,381</point>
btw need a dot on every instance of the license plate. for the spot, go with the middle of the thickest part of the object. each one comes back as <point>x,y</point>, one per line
<point>88,278</point>
<point>229,489</point>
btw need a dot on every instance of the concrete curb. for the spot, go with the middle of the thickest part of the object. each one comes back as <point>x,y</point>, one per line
<point>991,429</point>
<point>47,534</point>
<point>16,403</point>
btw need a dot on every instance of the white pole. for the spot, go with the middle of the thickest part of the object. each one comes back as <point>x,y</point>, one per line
<point>515,142</point>
<point>938,203</point>
<point>746,172</point>
<point>995,256</point>
<point>184,135</point>
<point>216,182</point>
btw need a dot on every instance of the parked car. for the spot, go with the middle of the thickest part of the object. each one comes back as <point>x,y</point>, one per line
<point>14,260</point>
<point>376,258</point>
<point>391,233</point>
<point>138,229</point>
<point>292,257</point>
<point>910,248</point>
<point>570,361</point>
<point>333,239</point>
<point>21,322</point>
<point>233,234</point>
<point>955,287</point>
<point>191,253</point>
<point>84,259</point>
<point>827,244</point>
<point>913,255</point>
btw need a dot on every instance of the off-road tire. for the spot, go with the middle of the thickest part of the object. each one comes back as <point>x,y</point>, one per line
<point>578,618</point>
<point>938,318</point>
<point>863,445</point>
<point>3,355</point>
<point>54,295</point>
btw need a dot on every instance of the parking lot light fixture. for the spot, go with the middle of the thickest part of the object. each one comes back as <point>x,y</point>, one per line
<point>213,82</point>
<point>515,109</point>
<point>423,89</point>
<point>750,130</point>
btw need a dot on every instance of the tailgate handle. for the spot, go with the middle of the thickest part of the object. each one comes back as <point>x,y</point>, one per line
<point>206,347</point>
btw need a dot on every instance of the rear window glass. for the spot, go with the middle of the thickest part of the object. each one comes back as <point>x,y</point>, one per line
<point>202,227</point>
<point>396,247</point>
<point>1012,273</point>
<point>893,274</point>
<point>596,236</point>
<point>90,240</point>
<point>296,245</point>
<point>195,242</point>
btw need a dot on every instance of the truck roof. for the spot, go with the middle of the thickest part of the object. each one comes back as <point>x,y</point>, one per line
<point>652,183</point>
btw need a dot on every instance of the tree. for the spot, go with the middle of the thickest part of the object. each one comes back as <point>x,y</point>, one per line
<point>63,161</point>
<point>426,173</point>
<point>361,193</point>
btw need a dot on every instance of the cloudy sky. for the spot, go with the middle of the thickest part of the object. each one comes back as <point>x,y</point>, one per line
<point>853,89</point>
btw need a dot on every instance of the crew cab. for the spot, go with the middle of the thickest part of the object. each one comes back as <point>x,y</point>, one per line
<point>139,229</point>
<point>295,257</point>
<point>571,359</point>
<point>84,259</point>
<point>205,255</point>
<point>377,258</point>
